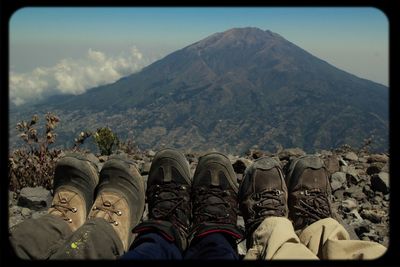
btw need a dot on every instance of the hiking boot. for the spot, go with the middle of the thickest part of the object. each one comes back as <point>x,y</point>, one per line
<point>75,179</point>
<point>309,191</point>
<point>262,194</point>
<point>168,197</point>
<point>214,197</point>
<point>120,198</point>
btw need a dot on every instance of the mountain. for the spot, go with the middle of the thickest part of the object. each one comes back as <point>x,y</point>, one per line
<point>230,91</point>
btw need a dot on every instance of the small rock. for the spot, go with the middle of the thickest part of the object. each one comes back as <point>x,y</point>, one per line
<point>386,167</point>
<point>349,204</point>
<point>14,210</point>
<point>255,154</point>
<point>332,164</point>
<point>241,164</point>
<point>103,158</point>
<point>38,214</point>
<point>26,213</point>
<point>151,153</point>
<point>375,167</point>
<point>145,168</point>
<point>338,194</point>
<point>288,153</point>
<point>338,180</point>
<point>380,182</point>
<point>342,162</point>
<point>371,215</point>
<point>35,198</point>
<point>355,192</point>
<point>351,156</point>
<point>378,158</point>
<point>351,174</point>
<point>361,228</point>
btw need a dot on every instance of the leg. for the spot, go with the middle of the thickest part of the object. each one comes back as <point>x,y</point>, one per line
<point>153,246</point>
<point>168,195</point>
<point>214,199</point>
<point>263,203</point>
<point>329,240</point>
<point>310,209</point>
<point>74,181</point>
<point>215,246</point>
<point>117,209</point>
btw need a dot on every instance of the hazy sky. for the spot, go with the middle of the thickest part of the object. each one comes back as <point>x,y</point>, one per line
<point>69,50</point>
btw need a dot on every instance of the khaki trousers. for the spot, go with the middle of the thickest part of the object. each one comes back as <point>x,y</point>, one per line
<point>325,239</point>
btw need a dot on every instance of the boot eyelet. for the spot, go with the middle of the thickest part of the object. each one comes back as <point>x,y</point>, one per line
<point>70,220</point>
<point>116,223</point>
<point>94,208</point>
<point>74,210</point>
<point>119,213</point>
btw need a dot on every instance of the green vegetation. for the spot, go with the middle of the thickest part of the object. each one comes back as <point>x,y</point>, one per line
<point>106,140</point>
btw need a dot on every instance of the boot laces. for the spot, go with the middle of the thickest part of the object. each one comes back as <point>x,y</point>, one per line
<point>109,209</point>
<point>63,206</point>
<point>268,202</point>
<point>205,207</point>
<point>314,205</point>
<point>169,193</point>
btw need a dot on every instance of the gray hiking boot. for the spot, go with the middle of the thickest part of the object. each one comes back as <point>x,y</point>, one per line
<point>214,197</point>
<point>75,179</point>
<point>168,197</point>
<point>120,197</point>
<point>309,191</point>
<point>262,194</point>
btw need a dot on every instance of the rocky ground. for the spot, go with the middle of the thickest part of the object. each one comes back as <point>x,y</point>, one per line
<point>359,181</point>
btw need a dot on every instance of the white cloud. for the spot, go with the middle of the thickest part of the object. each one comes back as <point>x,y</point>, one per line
<point>74,76</point>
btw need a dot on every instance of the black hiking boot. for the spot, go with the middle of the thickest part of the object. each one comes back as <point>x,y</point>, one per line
<point>262,194</point>
<point>309,191</point>
<point>120,197</point>
<point>214,197</point>
<point>168,197</point>
<point>75,179</point>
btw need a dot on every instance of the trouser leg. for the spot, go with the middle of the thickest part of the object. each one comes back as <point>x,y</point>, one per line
<point>275,238</point>
<point>96,239</point>
<point>39,238</point>
<point>152,246</point>
<point>328,239</point>
<point>214,246</point>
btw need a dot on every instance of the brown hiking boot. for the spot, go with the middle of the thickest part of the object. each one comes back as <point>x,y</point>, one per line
<point>214,197</point>
<point>168,197</point>
<point>120,198</point>
<point>75,180</point>
<point>262,194</point>
<point>309,191</point>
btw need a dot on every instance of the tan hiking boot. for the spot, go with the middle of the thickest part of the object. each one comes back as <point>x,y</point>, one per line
<point>75,179</point>
<point>120,197</point>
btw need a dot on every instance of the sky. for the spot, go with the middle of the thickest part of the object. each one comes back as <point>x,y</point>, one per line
<point>70,50</point>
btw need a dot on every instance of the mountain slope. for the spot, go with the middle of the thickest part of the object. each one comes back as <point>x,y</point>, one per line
<point>236,89</point>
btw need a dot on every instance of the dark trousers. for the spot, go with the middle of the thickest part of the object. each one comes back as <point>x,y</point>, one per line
<point>152,246</point>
